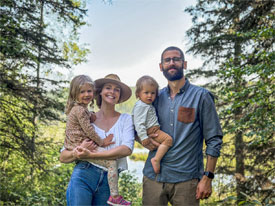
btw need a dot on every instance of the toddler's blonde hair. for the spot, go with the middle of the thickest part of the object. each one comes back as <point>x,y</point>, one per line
<point>146,80</point>
<point>75,87</point>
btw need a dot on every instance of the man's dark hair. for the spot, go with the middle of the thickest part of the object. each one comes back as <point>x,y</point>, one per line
<point>172,48</point>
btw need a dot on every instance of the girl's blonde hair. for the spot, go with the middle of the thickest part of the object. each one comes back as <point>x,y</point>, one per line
<point>75,87</point>
<point>146,80</point>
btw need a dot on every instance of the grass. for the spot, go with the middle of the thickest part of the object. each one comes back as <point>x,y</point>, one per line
<point>139,156</point>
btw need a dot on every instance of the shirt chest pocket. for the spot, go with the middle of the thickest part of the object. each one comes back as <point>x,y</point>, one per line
<point>186,115</point>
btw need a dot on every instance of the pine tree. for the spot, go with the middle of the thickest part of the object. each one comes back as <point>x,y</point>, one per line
<point>37,39</point>
<point>236,39</point>
<point>33,44</point>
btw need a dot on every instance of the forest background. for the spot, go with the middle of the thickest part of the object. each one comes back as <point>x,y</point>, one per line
<point>235,39</point>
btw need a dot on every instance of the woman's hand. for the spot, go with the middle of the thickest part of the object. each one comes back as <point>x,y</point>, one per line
<point>82,153</point>
<point>67,156</point>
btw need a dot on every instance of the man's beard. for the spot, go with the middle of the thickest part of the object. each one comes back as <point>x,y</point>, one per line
<point>173,77</point>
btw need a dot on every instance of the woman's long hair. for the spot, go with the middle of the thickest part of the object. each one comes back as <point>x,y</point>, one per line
<point>75,87</point>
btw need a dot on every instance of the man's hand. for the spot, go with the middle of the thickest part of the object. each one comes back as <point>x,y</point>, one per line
<point>108,140</point>
<point>204,188</point>
<point>151,144</point>
<point>89,144</point>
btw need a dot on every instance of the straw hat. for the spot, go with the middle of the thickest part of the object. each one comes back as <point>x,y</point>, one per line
<point>125,93</point>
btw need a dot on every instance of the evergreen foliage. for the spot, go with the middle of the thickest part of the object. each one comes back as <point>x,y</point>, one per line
<point>236,40</point>
<point>37,38</point>
<point>126,107</point>
<point>30,52</point>
<point>40,38</point>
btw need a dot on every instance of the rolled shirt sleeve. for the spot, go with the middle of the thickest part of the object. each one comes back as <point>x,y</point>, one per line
<point>210,125</point>
<point>190,118</point>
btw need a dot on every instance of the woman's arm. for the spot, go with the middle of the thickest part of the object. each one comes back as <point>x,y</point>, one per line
<point>115,153</point>
<point>67,156</point>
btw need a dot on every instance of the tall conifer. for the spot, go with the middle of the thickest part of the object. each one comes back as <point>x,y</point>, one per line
<point>236,40</point>
<point>35,40</point>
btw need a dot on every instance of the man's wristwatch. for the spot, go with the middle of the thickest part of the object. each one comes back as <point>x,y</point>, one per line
<point>209,174</point>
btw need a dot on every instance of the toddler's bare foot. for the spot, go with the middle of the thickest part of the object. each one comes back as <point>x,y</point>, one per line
<point>156,165</point>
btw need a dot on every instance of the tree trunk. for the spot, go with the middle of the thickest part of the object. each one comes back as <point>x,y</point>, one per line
<point>239,145</point>
<point>239,150</point>
<point>38,65</point>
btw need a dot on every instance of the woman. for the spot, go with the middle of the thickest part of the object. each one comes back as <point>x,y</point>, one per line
<point>88,184</point>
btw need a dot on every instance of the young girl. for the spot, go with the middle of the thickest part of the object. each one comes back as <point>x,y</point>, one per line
<point>79,128</point>
<point>146,121</point>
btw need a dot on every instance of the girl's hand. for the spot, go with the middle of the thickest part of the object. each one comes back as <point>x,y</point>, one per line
<point>89,144</point>
<point>108,140</point>
<point>92,117</point>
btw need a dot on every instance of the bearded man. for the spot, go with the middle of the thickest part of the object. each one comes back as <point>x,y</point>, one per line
<point>188,114</point>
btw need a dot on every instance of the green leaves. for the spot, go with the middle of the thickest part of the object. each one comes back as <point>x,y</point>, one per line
<point>236,39</point>
<point>73,53</point>
<point>32,95</point>
<point>129,188</point>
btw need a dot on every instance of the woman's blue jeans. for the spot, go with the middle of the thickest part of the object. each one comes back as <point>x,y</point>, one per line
<point>88,186</point>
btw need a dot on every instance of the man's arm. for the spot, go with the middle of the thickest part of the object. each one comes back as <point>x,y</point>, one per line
<point>204,188</point>
<point>212,133</point>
